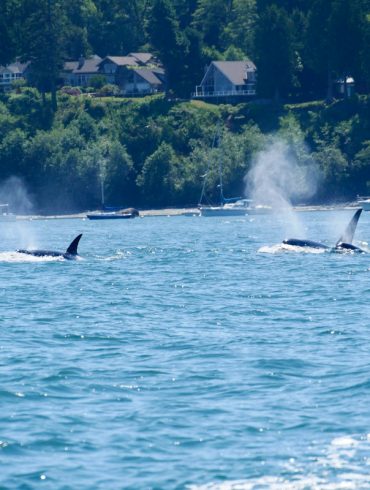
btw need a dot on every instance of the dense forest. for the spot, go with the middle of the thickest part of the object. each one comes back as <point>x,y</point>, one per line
<point>154,151</point>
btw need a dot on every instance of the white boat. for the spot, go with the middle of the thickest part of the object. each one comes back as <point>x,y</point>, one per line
<point>241,207</point>
<point>4,213</point>
<point>364,203</point>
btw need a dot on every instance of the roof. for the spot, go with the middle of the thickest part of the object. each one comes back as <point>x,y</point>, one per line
<point>88,65</point>
<point>235,71</point>
<point>148,75</point>
<point>142,57</point>
<point>16,67</point>
<point>121,60</point>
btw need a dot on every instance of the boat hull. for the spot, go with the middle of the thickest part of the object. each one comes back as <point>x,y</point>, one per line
<point>109,216</point>
<point>365,204</point>
<point>233,211</point>
<point>221,211</point>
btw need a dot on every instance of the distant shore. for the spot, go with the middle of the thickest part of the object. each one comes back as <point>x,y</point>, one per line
<point>180,212</point>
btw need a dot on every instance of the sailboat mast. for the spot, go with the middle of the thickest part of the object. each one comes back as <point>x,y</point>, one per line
<point>220,170</point>
<point>214,141</point>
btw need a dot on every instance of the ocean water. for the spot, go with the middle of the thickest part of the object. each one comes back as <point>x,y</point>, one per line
<point>185,353</point>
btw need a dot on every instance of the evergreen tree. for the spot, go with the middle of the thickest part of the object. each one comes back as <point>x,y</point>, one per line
<point>274,52</point>
<point>44,35</point>
<point>345,32</point>
<point>168,41</point>
<point>319,44</point>
<point>210,19</point>
<point>9,30</point>
<point>116,27</point>
<point>240,29</point>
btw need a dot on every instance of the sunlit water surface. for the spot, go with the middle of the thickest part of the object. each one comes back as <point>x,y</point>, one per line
<point>185,353</point>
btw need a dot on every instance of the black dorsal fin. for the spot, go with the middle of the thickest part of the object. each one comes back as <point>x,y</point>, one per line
<point>349,232</point>
<point>72,249</point>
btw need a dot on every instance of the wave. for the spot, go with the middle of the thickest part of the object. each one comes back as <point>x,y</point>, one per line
<point>283,247</point>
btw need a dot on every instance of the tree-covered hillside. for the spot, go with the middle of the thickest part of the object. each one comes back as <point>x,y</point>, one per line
<point>153,153</point>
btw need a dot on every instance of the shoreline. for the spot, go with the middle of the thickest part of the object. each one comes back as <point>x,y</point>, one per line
<point>180,212</point>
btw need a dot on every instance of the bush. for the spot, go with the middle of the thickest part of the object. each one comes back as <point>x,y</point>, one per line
<point>71,90</point>
<point>109,90</point>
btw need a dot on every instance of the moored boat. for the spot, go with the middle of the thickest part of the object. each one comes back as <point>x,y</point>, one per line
<point>127,213</point>
<point>241,207</point>
<point>363,202</point>
<point>96,216</point>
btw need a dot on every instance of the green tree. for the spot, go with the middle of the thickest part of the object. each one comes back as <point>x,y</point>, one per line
<point>275,58</point>
<point>9,30</point>
<point>168,41</point>
<point>44,34</point>
<point>156,179</point>
<point>240,29</point>
<point>345,32</point>
<point>210,19</point>
<point>115,27</point>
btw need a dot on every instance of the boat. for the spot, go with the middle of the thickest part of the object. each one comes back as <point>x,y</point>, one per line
<point>128,213</point>
<point>363,202</point>
<point>112,215</point>
<point>241,207</point>
<point>5,215</point>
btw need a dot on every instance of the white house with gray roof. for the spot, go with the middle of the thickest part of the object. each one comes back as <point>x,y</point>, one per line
<point>224,79</point>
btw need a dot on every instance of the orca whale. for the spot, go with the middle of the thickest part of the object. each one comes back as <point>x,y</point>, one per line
<point>69,254</point>
<point>344,243</point>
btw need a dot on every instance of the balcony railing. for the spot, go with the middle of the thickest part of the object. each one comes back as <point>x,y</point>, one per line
<point>199,92</point>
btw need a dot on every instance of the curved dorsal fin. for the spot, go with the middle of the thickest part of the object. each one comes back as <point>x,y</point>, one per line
<point>349,232</point>
<point>72,249</point>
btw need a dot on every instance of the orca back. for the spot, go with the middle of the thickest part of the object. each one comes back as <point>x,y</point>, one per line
<point>296,242</point>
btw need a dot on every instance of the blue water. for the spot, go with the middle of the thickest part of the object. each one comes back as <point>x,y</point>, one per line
<point>184,352</point>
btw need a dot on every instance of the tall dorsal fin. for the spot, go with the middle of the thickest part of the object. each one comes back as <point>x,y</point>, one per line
<point>72,249</point>
<point>349,232</point>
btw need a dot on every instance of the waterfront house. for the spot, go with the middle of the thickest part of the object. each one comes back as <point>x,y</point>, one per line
<point>227,80</point>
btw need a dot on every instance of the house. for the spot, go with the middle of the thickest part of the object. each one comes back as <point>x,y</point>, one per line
<point>141,81</point>
<point>10,73</point>
<point>144,59</point>
<point>112,66</point>
<point>79,73</point>
<point>225,79</point>
<point>134,74</point>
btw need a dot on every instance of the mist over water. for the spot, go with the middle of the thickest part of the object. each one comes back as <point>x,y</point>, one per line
<point>278,179</point>
<point>13,191</point>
